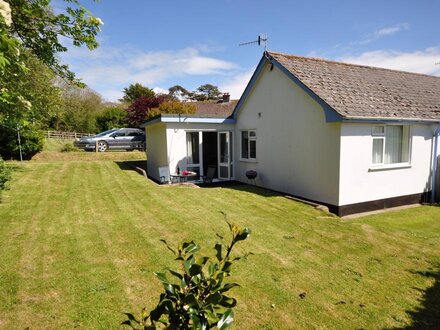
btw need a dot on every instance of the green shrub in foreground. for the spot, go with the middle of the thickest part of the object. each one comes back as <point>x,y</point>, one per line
<point>69,147</point>
<point>195,296</point>
<point>32,142</point>
<point>5,175</point>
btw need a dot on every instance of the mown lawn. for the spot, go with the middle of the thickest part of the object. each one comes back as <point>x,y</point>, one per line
<point>79,241</point>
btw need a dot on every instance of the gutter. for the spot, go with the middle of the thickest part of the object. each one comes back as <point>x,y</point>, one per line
<point>187,119</point>
<point>387,119</point>
<point>434,163</point>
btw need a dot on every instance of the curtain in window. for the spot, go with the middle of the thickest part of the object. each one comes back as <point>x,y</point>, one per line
<point>393,144</point>
<point>378,151</point>
<point>192,147</point>
<point>224,151</point>
<point>244,144</point>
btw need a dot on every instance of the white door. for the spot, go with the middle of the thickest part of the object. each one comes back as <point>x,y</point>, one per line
<point>224,155</point>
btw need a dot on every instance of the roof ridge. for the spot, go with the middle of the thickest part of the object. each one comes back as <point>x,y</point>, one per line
<point>318,59</point>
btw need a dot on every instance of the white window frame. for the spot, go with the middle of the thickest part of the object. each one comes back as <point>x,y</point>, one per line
<point>200,163</point>
<point>382,136</point>
<point>249,138</point>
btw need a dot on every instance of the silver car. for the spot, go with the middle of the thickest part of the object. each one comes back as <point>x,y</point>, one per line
<point>114,139</point>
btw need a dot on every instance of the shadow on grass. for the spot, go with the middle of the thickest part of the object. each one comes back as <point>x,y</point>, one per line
<point>427,316</point>
<point>138,166</point>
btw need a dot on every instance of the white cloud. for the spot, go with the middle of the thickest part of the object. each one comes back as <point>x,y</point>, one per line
<point>387,31</point>
<point>107,69</point>
<point>112,94</point>
<point>235,86</point>
<point>423,61</point>
<point>391,30</point>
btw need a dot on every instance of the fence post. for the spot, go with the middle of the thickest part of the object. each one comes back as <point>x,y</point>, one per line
<point>96,146</point>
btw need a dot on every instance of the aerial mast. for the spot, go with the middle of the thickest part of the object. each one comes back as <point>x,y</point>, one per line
<point>262,39</point>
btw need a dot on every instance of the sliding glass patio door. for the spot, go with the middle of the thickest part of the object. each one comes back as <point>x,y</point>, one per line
<point>225,168</point>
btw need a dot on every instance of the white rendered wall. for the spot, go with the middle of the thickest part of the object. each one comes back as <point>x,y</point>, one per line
<point>359,183</point>
<point>156,146</point>
<point>176,141</point>
<point>297,151</point>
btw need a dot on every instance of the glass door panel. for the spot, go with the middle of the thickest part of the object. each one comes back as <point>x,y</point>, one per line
<point>224,156</point>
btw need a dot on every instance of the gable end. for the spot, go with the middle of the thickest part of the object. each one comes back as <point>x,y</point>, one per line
<point>330,114</point>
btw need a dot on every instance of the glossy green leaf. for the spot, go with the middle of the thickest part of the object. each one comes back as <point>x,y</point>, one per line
<point>188,263</point>
<point>226,320</point>
<point>227,267</point>
<point>197,323</point>
<point>126,322</point>
<point>191,300</point>
<point>176,274</point>
<point>192,247</point>
<point>131,317</point>
<point>228,302</point>
<point>162,277</point>
<point>218,248</point>
<point>170,289</point>
<point>228,286</point>
<point>212,269</point>
<point>195,269</point>
<point>168,247</point>
<point>244,233</point>
<point>202,261</point>
<point>214,298</point>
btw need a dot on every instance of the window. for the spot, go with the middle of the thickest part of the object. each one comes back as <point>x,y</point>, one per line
<point>390,144</point>
<point>134,133</point>
<point>249,145</point>
<point>119,133</point>
<point>192,147</point>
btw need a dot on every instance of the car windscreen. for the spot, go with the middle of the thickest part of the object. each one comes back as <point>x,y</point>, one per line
<point>107,132</point>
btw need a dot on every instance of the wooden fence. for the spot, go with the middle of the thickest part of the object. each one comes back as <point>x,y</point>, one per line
<point>64,135</point>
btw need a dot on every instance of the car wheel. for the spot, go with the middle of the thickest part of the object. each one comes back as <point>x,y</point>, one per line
<point>142,147</point>
<point>102,146</point>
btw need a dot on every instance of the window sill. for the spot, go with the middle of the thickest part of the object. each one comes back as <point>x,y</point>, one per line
<point>385,167</point>
<point>248,160</point>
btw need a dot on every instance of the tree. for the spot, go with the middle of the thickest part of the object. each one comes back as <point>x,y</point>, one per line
<point>139,110</point>
<point>207,92</point>
<point>133,92</point>
<point>173,107</point>
<point>32,140</point>
<point>30,31</point>
<point>37,107</point>
<point>39,100</point>
<point>179,93</point>
<point>35,26</point>
<point>111,117</point>
<point>81,107</point>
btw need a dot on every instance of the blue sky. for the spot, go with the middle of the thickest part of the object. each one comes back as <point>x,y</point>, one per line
<point>164,43</point>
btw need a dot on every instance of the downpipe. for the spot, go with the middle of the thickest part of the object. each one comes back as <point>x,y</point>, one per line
<point>434,164</point>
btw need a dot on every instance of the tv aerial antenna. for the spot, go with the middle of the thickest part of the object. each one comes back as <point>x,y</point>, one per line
<point>262,39</point>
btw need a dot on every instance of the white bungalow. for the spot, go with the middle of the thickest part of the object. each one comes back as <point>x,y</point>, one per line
<point>351,137</point>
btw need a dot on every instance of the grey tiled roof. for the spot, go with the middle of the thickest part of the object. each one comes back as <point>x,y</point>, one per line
<point>214,109</point>
<point>368,92</point>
